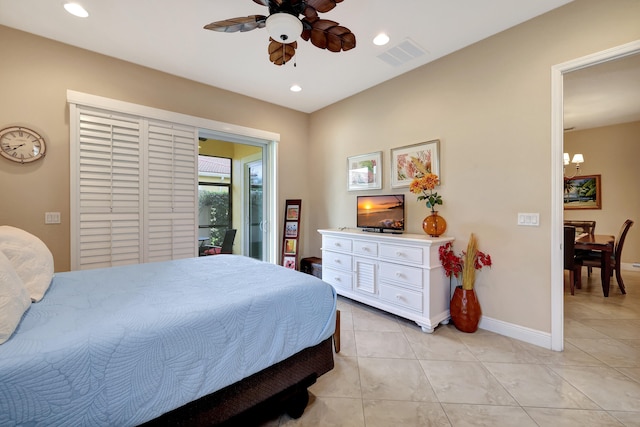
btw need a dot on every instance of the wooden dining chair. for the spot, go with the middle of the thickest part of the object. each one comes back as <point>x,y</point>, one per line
<point>582,226</point>
<point>570,262</point>
<point>593,258</point>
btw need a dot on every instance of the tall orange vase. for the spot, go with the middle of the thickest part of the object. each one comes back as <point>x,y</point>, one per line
<point>465,310</point>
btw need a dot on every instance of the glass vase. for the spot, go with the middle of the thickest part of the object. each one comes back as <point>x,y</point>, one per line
<point>434,225</point>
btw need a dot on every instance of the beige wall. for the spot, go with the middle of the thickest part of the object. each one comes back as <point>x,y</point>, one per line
<point>34,86</point>
<point>490,106</point>
<point>613,153</point>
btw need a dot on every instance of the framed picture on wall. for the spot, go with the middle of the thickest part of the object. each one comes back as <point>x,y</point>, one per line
<point>407,161</point>
<point>582,192</point>
<point>364,172</point>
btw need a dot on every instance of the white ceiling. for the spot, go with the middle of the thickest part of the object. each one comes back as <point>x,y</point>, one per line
<point>168,35</point>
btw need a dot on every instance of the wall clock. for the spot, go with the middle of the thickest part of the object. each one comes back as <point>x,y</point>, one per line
<point>21,144</point>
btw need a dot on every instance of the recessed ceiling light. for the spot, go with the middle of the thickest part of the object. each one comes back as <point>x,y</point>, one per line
<point>76,10</point>
<point>295,88</point>
<point>381,39</point>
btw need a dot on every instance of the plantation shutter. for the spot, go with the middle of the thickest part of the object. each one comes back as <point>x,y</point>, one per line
<point>134,189</point>
<point>171,191</point>
<point>109,190</point>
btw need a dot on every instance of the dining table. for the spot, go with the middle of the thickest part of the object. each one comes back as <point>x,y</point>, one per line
<point>604,244</point>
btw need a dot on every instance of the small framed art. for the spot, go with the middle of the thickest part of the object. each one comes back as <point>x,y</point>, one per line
<point>364,172</point>
<point>404,159</point>
<point>291,233</point>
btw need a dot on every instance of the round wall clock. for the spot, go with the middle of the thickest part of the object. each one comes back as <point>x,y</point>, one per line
<point>21,144</point>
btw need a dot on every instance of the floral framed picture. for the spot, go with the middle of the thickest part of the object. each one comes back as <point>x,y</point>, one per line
<point>404,159</point>
<point>582,192</point>
<point>364,172</point>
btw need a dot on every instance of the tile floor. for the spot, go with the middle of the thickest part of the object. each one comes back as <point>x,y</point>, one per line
<point>389,373</point>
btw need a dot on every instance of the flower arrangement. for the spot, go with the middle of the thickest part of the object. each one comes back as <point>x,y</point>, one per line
<point>464,265</point>
<point>424,183</point>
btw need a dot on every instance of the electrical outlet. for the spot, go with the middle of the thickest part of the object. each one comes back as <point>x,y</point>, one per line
<point>529,219</point>
<point>52,217</point>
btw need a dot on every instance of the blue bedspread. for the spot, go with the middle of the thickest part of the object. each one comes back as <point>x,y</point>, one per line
<point>120,346</point>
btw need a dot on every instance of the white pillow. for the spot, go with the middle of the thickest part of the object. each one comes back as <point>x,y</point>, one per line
<point>30,258</point>
<point>14,299</point>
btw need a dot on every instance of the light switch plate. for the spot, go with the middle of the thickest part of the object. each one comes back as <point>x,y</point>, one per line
<point>529,219</point>
<point>52,217</point>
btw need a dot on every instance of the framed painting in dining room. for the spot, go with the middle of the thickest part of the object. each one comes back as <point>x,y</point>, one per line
<point>583,192</point>
<point>364,172</point>
<point>404,162</point>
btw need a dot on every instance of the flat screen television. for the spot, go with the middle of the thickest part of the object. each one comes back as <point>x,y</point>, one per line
<point>381,213</point>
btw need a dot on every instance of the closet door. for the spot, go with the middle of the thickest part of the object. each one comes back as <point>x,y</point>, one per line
<point>171,191</point>
<point>108,190</point>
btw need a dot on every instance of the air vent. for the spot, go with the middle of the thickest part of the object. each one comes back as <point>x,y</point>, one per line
<point>402,53</point>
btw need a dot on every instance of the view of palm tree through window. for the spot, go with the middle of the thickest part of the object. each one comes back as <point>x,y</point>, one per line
<point>214,199</point>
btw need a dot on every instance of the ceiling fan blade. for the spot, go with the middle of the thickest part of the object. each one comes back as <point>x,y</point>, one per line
<point>330,35</point>
<point>242,24</point>
<point>323,6</point>
<point>280,53</point>
<point>262,2</point>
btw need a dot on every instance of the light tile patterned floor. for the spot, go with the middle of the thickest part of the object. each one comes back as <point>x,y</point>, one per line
<point>389,373</point>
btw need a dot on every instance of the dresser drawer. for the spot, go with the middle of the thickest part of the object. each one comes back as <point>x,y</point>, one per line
<point>362,247</point>
<point>401,297</point>
<point>336,244</point>
<point>337,260</point>
<point>336,278</point>
<point>403,254</point>
<point>404,274</point>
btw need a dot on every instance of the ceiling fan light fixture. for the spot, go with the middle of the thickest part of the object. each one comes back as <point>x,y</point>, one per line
<point>284,27</point>
<point>295,88</point>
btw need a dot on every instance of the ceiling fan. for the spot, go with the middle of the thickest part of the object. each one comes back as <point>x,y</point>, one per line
<point>285,26</point>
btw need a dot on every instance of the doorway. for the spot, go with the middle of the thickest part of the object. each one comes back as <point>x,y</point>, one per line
<point>557,205</point>
<point>251,191</point>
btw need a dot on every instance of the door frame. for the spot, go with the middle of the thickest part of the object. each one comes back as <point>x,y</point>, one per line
<point>557,148</point>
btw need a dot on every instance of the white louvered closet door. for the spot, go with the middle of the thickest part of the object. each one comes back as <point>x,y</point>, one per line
<point>109,190</point>
<point>171,191</point>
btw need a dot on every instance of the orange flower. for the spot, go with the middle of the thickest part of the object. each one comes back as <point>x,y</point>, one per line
<point>424,186</point>
<point>424,183</point>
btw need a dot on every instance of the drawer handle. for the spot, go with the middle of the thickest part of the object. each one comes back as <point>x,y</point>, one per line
<point>398,253</point>
<point>337,261</point>
<point>366,249</point>
<point>337,279</point>
<point>398,296</point>
<point>337,244</point>
<point>399,274</point>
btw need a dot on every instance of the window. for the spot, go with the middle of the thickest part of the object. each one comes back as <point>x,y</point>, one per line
<point>214,199</point>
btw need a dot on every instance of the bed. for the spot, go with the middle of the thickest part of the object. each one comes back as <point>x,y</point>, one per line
<point>196,341</point>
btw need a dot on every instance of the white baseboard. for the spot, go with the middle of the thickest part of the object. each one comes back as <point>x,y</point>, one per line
<point>630,266</point>
<point>531,336</point>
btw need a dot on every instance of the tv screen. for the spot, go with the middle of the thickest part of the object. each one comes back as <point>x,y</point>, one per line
<point>380,213</point>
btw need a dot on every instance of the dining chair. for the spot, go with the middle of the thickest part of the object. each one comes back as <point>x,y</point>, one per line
<point>582,226</point>
<point>227,244</point>
<point>570,261</point>
<point>593,258</point>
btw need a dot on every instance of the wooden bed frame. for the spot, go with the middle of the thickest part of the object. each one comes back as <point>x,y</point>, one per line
<point>283,386</point>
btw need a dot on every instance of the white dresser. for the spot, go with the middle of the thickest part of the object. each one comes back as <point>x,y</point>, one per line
<point>397,273</point>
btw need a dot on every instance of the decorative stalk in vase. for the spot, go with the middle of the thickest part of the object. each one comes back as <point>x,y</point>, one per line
<point>465,308</point>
